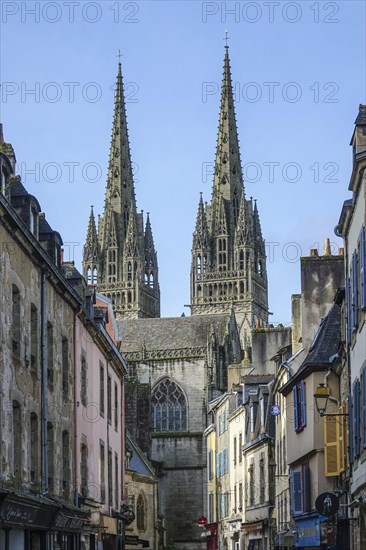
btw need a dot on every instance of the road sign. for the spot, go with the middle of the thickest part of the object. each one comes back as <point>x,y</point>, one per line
<point>327,504</point>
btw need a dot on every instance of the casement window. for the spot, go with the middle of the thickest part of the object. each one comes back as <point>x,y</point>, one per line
<point>50,456</point>
<point>355,305</point>
<point>15,326</point>
<point>110,477</point>
<point>300,490</point>
<point>251,483</point>
<point>299,397</point>
<point>116,483</point>
<point>116,407</point>
<point>240,503</point>
<point>348,308</point>
<point>34,338</point>
<point>350,428</point>
<point>262,479</point>
<point>102,470</point>
<point>109,400</point>
<point>356,419</point>
<point>240,448</point>
<point>363,268</point>
<point>101,389</point>
<point>210,507</point>
<point>84,469</point>
<point>65,367</point>
<point>65,464</point>
<point>210,465</point>
<point>34,448</point>
<point>50,344</point>
<point>234,451</point>
<point>364,407</point>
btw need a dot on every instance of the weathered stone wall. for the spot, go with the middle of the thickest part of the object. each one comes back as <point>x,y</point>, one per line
<point>21,377</point>
<point>265,344</point>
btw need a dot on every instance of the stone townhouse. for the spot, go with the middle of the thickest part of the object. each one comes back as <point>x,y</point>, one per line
<point>351,227</point>
<point>141,494</point>
<point>37,370</point>
<point>99,418</point>
<point>315,446</point>
<point>258,464</point>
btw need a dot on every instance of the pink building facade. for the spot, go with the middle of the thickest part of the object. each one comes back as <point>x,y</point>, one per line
<point>100,427</point>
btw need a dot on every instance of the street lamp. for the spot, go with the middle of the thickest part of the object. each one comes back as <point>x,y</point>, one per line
<point>321,396</point>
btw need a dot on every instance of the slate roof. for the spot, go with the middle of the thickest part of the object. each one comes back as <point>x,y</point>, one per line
<point>326,343</point>
<point>326,340</point>
<point>170,332</point>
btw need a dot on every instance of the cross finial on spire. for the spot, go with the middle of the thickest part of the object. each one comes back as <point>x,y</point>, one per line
<point>119,56</point>
<point>226,38</point>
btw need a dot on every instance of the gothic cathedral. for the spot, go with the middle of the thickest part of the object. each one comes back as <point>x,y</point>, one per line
<point>177,365</point>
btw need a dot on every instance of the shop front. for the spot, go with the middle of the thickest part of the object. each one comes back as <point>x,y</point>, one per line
<point>35,522</point>
<point>308,532</point>
<point>254,535</point>
<point>212,541</point>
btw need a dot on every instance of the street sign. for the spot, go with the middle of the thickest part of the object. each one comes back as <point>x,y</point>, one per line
<point>327,504</point>
<point>275,410</point>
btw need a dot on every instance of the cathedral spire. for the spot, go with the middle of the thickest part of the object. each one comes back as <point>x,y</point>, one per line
<point>91,251</point>
<point>228,177</point>
<point>230,273</point>
<point>121,246</point>
<point>120,192</point>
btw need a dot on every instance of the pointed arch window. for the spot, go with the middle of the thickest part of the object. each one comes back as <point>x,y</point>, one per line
<point>129,271</point>
<point>241,260</point>
<point>198,263</point>
<point>95,276</point>
<point>89,276</point>
<point>235,204</point>
<point>168,408</point>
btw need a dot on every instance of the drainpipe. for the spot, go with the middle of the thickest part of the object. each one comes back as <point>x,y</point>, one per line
<point>44,380</point>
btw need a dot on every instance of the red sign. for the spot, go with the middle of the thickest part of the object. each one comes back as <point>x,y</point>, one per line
<point>202,521</point>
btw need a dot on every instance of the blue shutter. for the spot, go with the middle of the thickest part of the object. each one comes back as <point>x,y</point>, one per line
<point>354,291</point>
<point>296,416</point>
<point>296,491</point>
<point>364,407</point>
<point>363,268</point>
<point>217,465</point>
<point>222,463</point>
<point>350,425</point>
<point>348,305</point>
<point>227,460</point>
<point>303,403</point>
<point>356,415</point>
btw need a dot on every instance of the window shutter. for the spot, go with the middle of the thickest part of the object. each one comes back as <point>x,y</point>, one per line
<point>356,416</point>
<point>341,440</point>
<point>364,407</point>
<point>296,417</point>
<point>350,428</point>
<point>218,465</point>
<point>348,306</point>
<point>227,460</point>
<point>331,446</point>
<point>363,268</point>
<point>303,404</point>
<point>296,491</point>
<point>306,488</point>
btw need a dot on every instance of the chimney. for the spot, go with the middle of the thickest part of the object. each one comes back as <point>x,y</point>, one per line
<point>341,251</point>
<point>313,252</point>
<point>327,250</point>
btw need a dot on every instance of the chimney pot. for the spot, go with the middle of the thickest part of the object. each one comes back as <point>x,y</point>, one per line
<point>341,251</point>
<point>313,252</point>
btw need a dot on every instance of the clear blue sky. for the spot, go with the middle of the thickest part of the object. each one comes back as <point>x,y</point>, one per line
<point>299,72</point>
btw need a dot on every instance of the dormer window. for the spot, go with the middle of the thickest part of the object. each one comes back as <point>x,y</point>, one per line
<point>33,222</point>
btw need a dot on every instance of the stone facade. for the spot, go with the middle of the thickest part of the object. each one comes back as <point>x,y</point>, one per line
<point>37,373</point>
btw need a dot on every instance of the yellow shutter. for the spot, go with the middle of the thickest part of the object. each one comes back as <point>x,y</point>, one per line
<point>346,437</point>
<point>331,445</point>
<point>342,463</point>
